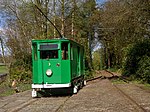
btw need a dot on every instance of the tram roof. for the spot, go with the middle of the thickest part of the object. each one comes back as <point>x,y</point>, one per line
<point>55,40</point>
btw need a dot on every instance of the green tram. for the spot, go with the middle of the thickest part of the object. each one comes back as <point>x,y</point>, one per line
<point>57,63</point>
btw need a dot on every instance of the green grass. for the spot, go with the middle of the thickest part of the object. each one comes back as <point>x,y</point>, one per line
<point>139,82</point>
<point>7,93</point>
<point>24,86</point>
<point>115,70</point>
<point>117,81</point>
<point>3,69</point>
<point>88,75</point>
<point>112,69</point>
<point>147,86</point>
<point>6,89</point>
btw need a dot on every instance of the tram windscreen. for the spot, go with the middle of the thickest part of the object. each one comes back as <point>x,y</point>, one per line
<point>49,54</point>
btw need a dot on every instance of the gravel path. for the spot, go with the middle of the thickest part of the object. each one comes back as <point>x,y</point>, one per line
<point>12,102</point>
<point>98,96</point>
<point>142,97</point>
<point>49,104</point>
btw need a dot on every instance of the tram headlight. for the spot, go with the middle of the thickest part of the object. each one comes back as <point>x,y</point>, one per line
<point>49,72</point>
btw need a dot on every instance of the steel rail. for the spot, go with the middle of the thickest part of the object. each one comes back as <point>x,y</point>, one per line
<point>127,96</point>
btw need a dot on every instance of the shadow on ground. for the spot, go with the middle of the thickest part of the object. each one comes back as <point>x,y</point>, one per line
<point>56,92</point>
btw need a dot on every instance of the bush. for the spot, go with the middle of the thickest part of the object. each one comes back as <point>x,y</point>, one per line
<point>88,75</point>
<point>21,69</point>
<point>144,69</point>
<point>137,60</point>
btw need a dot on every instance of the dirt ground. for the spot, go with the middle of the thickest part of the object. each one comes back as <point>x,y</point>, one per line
<point>100,95</point>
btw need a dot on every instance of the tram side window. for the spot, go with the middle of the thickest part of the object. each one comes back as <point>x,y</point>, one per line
<point>64,50</point>
<point>35,51</point>
<point>49,54</point>
<point>71,52</point>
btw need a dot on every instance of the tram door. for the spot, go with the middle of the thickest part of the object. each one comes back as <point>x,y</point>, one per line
<point>50,64</point>
<point>65,62</point>
<point>78,62</point>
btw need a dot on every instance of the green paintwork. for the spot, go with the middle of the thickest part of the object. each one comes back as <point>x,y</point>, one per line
<point>63,71</point>
<point>56,71</point>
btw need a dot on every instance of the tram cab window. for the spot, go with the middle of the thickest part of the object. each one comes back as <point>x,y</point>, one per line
<point>64,51</point>
<point>49,54</point>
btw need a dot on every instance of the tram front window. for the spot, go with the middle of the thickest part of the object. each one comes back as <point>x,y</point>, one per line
<point>49,54</point>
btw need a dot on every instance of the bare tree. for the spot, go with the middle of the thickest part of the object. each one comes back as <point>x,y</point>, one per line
<point>62,17</point>
<point>54,8</point>
<point>73,16</point>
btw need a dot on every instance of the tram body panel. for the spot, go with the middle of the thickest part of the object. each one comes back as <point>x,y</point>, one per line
<point>56,64</point>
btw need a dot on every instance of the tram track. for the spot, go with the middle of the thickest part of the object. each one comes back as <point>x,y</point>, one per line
<point>59,109</point>
<point>23,105</point>
<point>148,91</point>
<point>137,85</point>
<point>60,102</point>
<point>99,77</point>
<point>120,90</point>
<point>27,103</point>
<point>128,97</point>
<point>124,94</point>
<point>124,79</point>
<point>30,103</point>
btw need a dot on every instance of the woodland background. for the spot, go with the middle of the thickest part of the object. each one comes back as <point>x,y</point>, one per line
<point>115,34</point>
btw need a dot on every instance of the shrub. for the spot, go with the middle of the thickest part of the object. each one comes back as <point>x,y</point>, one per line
<point>137,60</point>
<point>21,69</point>
<point>144,69</point>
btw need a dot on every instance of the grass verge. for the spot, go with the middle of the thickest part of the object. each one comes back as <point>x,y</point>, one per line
<point>6,89</point>
<point>118,81</point>
<point>3,69</point>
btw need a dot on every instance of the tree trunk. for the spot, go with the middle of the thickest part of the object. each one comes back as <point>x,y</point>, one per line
<point>54,7</point>
<point>62,17</point>
<point>46,12</point>
<point>73,16</point>
<point>90,50</point>
<point>2,48</point>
